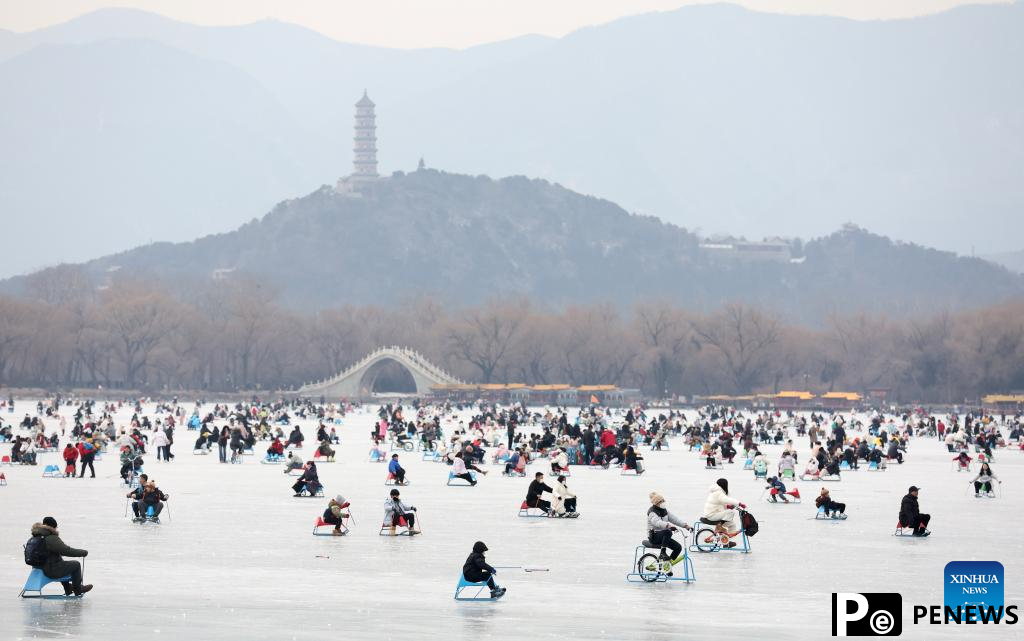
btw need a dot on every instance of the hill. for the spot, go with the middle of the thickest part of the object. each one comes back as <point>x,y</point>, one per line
<point>463,239</point>
<point>712,117</point>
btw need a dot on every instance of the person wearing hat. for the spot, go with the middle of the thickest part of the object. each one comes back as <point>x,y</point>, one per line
<point>832,508</point>
<point>910,513</point>
<point>396,470</point>
<point>55,567</point>
<point>477,570</point>
<point>334,514</point>
<point>660,525</point>
<point>395,510</point>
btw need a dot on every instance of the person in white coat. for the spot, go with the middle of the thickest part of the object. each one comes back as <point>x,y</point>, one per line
<point>722,507</point>
<point>160,441</point>
<point>563,502</point>
<point>559,461</point>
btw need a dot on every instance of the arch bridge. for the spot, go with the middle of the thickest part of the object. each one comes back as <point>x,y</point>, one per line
<point>357,381</point>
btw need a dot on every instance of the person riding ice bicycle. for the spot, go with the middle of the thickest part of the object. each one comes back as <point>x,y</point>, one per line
<point>660,525</point>
<point>719,510</point>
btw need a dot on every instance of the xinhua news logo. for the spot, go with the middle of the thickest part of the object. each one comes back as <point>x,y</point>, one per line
<point>976,587</point>
<point>867,614</point>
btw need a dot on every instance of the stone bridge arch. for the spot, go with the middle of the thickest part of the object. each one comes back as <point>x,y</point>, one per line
<point>357,380</point>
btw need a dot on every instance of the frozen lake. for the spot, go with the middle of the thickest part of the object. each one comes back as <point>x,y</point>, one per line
<point>236,560</point>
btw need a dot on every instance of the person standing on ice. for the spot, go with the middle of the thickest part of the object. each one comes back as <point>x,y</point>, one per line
<point>477,570</point>
<point>660,525</point>
<point>721,507</point>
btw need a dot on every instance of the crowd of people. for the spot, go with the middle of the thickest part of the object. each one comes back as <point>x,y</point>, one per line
<point>514,437</point>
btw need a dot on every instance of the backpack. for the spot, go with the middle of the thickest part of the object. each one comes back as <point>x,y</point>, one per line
<point>749,523</point>
<point>35,551</point>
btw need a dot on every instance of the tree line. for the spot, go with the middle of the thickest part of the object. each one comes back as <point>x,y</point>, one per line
<point>233,336</point>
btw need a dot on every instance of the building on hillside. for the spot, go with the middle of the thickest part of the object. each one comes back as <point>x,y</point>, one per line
<point>773,250</point>
<point>364,149</point>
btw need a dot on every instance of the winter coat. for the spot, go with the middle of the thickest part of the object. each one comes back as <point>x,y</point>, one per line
<point>458,466</point>
<point>656,523</point>
<point>559,494</point>
<point>984,478</point>
<point>534,492</point>
<point>716,503</point>
<point>392,507</point>
<point>55,550</point>
<point>160,439</point>
<point>476,569</point>
<point>909,510</point>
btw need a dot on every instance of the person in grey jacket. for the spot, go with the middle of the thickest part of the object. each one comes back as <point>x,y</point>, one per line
<point>55,567</point>
<point>661,524</point>
<point>395,510</point>
<point>983,481</point>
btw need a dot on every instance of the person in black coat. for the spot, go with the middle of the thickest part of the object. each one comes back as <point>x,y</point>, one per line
<point>309,481</point>
<point>534,492</point>
<point>476,570</point>
<point>910,513</point>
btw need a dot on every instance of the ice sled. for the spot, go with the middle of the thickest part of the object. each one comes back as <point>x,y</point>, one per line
<point>456,481</point>
<point>466,587</point>
<point>390,480</point>
<point>52,472</point>
<point>821,516</point>
<point>37,581</point>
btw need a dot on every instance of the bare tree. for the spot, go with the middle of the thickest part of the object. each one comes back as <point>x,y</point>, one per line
<point>137,320</point>
<point>744,337</point>
<point>483,336</point>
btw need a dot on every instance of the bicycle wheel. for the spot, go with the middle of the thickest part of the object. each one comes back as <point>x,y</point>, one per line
<point>408,446</point>
<point>705,539</point>
<point>648,560</point>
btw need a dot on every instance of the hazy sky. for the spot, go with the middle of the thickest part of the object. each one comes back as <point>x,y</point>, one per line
<point>447,23</point>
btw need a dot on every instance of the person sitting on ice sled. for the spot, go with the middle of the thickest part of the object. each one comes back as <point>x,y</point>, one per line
<point>310,481</point>
<point>334,514</point>
<point>812,468</point>
<point>963,460</point>
<point>477,570</point>
<point>396,470</point>
<point>395,510</point>
<point>777,490</point>
<point>720,507</point>
<point>660,525</point>
<point>293,462</point>
<point>983,481</point>
<point>832,508</point>
<point>276,448</point>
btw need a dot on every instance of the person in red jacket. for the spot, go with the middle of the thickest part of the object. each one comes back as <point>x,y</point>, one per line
<point>276,448</point>
<point>87,451</point>
<point>70,459</point>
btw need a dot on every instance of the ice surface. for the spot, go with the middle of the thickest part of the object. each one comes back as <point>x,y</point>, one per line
<point>235,559</point>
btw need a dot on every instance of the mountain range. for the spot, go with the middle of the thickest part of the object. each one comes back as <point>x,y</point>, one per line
<point>123,127</point>
<point>461,240</point>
